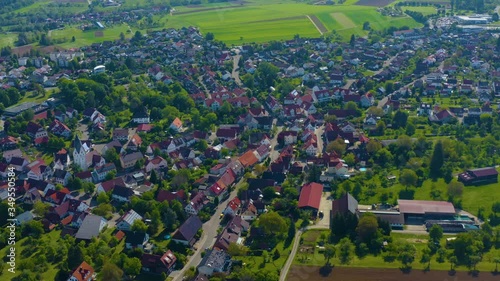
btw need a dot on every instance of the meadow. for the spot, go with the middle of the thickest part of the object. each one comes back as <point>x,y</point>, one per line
<point>425,10</point>
<point>83,38</point>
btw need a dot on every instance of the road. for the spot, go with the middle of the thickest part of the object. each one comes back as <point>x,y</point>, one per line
<point>207,239</point>
<point>236,73</point>
<point>319,133</point>
<point>274,154</point>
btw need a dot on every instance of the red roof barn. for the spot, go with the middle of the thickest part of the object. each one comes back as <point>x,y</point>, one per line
<point>310,196</point>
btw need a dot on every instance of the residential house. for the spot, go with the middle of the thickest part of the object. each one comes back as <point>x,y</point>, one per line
<point>100,172</point>
<point>157,264</point>
<point>60,129</point>
<point>196,204</point>
<point>61,176</point>
<point>158,164</point>
<point>186,233</point>
<point>120,134</point>
<point>129,160</point>
<point>141,116</point>
<point>127,220</point>
<point>343,205</point>
<point>232,207</point>
<point>136,240</point>
<point>134,143</point>
<point>214,261</point>
<point>91,226</point>
<point>84,272</point>
<point>176,125</point>
<point>122,193</point>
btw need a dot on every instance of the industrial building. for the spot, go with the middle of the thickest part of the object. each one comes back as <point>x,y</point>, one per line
<point>474,19</point>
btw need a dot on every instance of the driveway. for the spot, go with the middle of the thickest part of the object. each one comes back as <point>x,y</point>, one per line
<point>273,154</point>
<point>83,129</point>
<point>325,206</point>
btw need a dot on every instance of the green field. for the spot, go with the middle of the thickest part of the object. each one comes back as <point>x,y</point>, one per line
<point>83,38</point>
<point>237,23</point>
<point>427,10</point>
<point>260,22</point>
<point>7,39</point>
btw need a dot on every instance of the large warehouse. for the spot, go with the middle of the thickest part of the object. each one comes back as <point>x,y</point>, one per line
<point>418,211</point>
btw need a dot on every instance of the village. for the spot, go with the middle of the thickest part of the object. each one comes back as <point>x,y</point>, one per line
<point>255,148</point>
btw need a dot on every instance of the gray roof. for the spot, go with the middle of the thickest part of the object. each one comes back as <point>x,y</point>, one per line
<point>215,259</point>
<point>91,227</point>
<point>188,229</point>
<point>130,217</point>
<point>24,217</point>
<point>78,144</point>
<point>132,157</point>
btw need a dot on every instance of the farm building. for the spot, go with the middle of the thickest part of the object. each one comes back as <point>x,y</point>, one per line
<point>99,69</point>
<point>418,211</point>
<point>344,204</point>
<point>479,176</point>
<point>310,197</point>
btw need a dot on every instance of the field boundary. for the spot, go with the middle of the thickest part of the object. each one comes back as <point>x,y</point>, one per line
<point>278,19</point>
<point>318,24</point>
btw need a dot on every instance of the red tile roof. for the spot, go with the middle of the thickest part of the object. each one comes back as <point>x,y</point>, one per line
<point>248,159</point>
<point>83,272</point>
<point>310,195</point>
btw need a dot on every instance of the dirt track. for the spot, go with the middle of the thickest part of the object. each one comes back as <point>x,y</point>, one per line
<point>309,273</point>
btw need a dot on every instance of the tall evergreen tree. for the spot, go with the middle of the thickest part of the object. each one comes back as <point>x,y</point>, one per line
<point>437,161</point>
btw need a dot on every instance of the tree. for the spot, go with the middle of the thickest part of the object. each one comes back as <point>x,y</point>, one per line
<point>436,233</point>
<point>407,254</point>
<point>273,224</point>
<point>455,190</point>
<point>426,258</point>
<point>496,260</point>
<point>399,119</point>
<point>132,266</point>
<point>88,187</point>
<point>153,178</point>
<point>338,146</point>
<point>408,178</point>
<point>40,208</point>
<point>235,250</point>
<point>102,198</point>
<point>453,261</point>
<point>437,161</point>
<point>111,272</point>
<point>441,255</point>
<point>346,249</point>
<point>329,253</point>
<point>209,36</point>
<point>367,228</point>
<point>139,226</point>
<point>353,40</point>
<point>410,129</point>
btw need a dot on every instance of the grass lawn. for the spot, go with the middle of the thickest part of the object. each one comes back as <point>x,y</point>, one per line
<point>425,10</point>
<point>371,261</point>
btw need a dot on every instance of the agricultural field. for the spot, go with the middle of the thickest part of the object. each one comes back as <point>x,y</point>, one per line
<point>260,22</point>
<point>425,10</point>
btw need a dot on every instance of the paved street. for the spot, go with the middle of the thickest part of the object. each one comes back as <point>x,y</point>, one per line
<point>319,133</point>
<point>208,238</point>
<point>274,142</point>
<point>236,73</point>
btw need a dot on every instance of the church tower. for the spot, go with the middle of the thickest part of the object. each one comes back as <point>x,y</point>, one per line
<point>79,154</point>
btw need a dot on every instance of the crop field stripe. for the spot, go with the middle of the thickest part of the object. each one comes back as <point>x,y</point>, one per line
<point>345,21</point>
<point>278,19</point>
<point>318,24</point>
